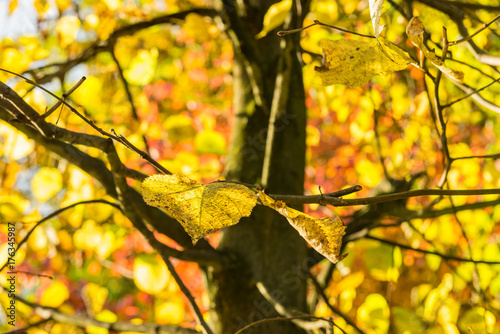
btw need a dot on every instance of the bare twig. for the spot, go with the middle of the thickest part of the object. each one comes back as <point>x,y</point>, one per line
<point>335,310</point>
<point>119,138</point>
<point>473,92</point>
<point>119,326</point>
<point>316,22</point>
<point>53,214</point>
<point>135,218</point>
<point>295,199</point>
<point>465,39</point>
<point>444,256</point>
<point>64,97</point>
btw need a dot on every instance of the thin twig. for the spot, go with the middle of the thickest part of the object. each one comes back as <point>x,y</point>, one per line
<point>129,95</point>
<point>49,313</point>
<point>136,219</point>
<point>471,93</point>
<point>465,39</point>
<point>53,214</point>
<point>316,22</point>
<point>444,256</point>
<point>290,319</point>
<point>64,97</point>
<point>321,292</point>
<point>296,199</point>
<point>24,329</point>
<point>119,138</point>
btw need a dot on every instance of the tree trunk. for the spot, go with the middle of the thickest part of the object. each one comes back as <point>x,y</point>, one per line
<point>267,248</point>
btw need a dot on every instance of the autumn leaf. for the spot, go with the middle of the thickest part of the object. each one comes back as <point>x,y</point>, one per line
<point>415,32</point>
<point>67,28</point>
<point>201,209</point>
<point>375,12</point>
<point>151,274</point>
<point>352,63</point>
<point>324,235</point>
<point>275,17</point>
<point>12,6</point>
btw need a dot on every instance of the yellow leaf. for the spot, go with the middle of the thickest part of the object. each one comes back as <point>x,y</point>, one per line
<point>352,63</point>
<point>196,27</point>
<point>15,145</point>
<point>62,5</point>
<point>179,127</point>
<point>46,183</point>
<point>41,6</point>
<point>150,274</point>
<point>55,295</point>
<point>89,236</point>
<point>12,6</point>
<point>169,312</point>
<point>397,55</point>
<point>415,32</point>
<point>201,209</point>
<point>375,12</point>
<point>142,67</point>
<point>210,142</point>
<point>324,235</point>
<point>275,16</point>
<point>66,30</point>
<point>14,60</point>
<point>94,297</point>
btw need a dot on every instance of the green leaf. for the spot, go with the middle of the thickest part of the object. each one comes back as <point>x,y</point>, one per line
<point>210,142</point>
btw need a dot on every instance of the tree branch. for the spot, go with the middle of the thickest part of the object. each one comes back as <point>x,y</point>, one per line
<point>325,199</point>
<point>95,167</point>
<point>107,45</point>
<point>119,326</point>
<point>53,214</point>
<point>444,256</point>
<point>126,204</point>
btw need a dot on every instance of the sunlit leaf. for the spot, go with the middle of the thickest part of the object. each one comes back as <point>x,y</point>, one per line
<point>62,5</point>
<point>14,60</point>
<point>67,28</point>
<point>169,312</point>
<point>46,183</point>
<point>150,273</point>
<point>324,235</point>
<point>406,321</point>
<point>275,16</point>
<point>375,12</point>
<point>201,209</point>
<point>41,6</point>
<point>415,32</point>
<point>55,295</point>
<point>14,144</point>
<point>179,127</point>
<point>210,142</point>
<point>104,316</point>
<point>375,312</point>
<point>478,319</point>
<point>353,63</point>
<point>89,236</point>
<point>12,6</point>
<point>94,297</point>
<point>142,67</point>
<point>196,27</point>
